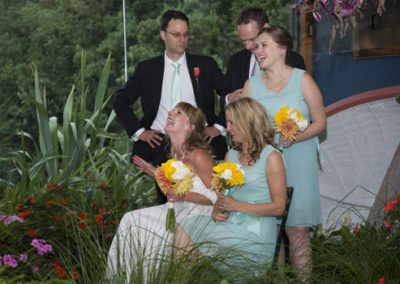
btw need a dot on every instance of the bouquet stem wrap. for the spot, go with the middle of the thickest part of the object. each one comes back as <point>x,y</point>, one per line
<point>170,221</point>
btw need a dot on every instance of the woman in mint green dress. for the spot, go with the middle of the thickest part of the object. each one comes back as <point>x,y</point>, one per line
<point>277,86</point>
<point>244,221</point>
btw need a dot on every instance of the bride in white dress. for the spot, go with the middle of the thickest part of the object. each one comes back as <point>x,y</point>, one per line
<point>142,242</point>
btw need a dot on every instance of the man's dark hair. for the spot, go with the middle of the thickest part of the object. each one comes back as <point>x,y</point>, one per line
<point>256,14</point>
<point>172,15</point>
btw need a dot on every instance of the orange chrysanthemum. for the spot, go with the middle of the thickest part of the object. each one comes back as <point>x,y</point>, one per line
<point>162,180</point>
<point>288,130</point>
<point>216,183</point>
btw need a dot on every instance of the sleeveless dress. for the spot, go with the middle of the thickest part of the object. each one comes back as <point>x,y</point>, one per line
<point>246,241</point>
<point>301,159</point>
<point>142,243</point>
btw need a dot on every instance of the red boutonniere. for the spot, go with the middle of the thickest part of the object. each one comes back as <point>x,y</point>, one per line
<point>196,72</point>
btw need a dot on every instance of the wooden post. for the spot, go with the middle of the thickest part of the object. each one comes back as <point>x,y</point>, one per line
<point>389,190</point>
<point>306,39</point>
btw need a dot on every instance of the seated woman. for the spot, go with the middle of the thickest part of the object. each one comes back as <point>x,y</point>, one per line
<point>142,242</point>
<point>244,221</point>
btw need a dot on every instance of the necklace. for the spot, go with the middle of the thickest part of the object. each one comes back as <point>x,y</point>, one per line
<point>276,84</point>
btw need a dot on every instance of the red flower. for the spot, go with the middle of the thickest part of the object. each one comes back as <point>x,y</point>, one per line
<point>196,71</point>
<point>103,210</point>
<point>61,273</point>
<point>93,204</point>
<point>19,206</point>
<point>49,204</point>
<point>69,215</point>
<point>56,265</point>
<point>82,215</point>
<point>64,202</point>
<point>31,200</point>
<point>104,186</point>
<point>381,280</point>
<point>32,233</point>
<point>99,219</point>
<point>25,213</point>
<point>75,275</point>
<point>124,204</point>
<point>82,225</point>
<point>391,204</point>
<point>57,217</point>
<point>387,224</point>
<point>52,186</point>
<point>355,229</point>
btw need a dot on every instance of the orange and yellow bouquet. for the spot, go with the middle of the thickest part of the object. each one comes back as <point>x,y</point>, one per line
<point>289,122</point>
<point>176,177</point>
<point>227,175</point>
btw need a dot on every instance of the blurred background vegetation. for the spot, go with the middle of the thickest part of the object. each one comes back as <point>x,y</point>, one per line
<point>50,34</point>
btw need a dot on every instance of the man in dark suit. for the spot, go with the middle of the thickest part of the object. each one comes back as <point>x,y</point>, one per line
<point>154,83</point>
<point>243,64</point>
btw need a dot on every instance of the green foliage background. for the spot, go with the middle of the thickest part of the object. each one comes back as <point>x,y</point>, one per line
<point>52,33</point>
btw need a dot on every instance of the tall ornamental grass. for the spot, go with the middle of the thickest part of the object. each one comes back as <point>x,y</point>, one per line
<point>67,190</point>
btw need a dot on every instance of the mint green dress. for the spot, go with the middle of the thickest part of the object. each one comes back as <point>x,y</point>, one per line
<point>301,159</point>
<point>245,240</point>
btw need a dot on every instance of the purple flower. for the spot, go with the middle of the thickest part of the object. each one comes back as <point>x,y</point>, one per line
<point>41,248</point>
<point>7,220</point>
<point>35,268</point>
<point>317,16</point>
<point>23,257</point>
<point>10,260</point>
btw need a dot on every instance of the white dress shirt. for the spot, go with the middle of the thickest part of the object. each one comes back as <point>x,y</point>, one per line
<point>187,95</point>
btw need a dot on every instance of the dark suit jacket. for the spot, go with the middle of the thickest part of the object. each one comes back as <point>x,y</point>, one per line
<point>239,65</point>
<point>146,84</point>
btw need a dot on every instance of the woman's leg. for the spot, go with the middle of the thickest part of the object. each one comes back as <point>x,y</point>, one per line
<point>183,244</point>
<point>300,251</point>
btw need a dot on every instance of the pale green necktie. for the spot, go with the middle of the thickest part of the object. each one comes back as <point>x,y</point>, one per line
<point>254,69</point>
<point>176,85</point>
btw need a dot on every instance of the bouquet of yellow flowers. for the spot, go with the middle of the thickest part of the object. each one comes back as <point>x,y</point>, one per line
<point>289,122</point>
<point>227,175</point>
<point>174,176</point>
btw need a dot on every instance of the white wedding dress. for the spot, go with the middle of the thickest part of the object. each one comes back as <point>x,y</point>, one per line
<point>142,242</point>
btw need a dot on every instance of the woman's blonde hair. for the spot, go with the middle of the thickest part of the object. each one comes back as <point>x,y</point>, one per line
<point>251,121</point>
<point>194,138</point>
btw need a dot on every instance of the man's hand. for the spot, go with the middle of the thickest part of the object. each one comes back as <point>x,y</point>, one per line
<point>152,137</point>
<point>143,165</point>
<point>210,133</point>
<point>238,94</point>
